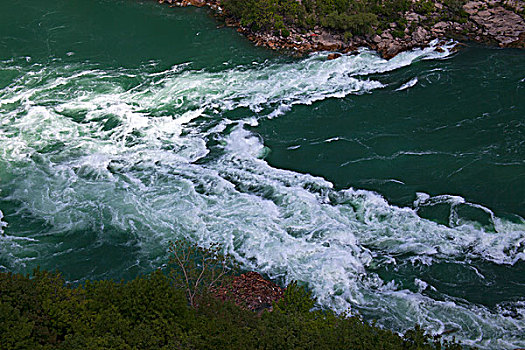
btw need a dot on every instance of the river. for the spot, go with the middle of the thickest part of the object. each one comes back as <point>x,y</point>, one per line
<point>395,189</point>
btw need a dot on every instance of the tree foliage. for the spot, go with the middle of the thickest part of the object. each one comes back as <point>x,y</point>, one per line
<point>155,311</point>
<point>356,17</point>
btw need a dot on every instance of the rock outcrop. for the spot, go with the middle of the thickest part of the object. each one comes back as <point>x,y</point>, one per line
<point>251,291</point>
<point>487,21</point>
<point>503,26</point>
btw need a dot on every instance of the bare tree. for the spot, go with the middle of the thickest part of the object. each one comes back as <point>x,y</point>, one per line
<point>198,270</point>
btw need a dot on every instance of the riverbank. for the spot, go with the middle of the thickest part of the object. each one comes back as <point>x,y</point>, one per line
<point>308,26</point>
<point>42,311</point>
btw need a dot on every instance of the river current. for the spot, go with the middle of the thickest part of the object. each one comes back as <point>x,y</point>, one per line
<point>395,189</point>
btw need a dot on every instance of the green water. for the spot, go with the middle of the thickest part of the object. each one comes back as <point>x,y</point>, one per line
<point>460,130</point>
<point>393,188</point>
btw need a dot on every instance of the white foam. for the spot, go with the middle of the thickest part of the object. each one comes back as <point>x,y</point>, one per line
<point>242,143</point>
<point>3,224</point>
<point>411,83</point>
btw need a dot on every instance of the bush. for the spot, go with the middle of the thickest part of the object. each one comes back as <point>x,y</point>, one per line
<point>42,312</point>
<point>357,24</point>
<point>347,36</point>
<point>397,33</point>
<point>264,14</point>
<point>455,9</point>
<point>297,299</point>
<point>359,17</point>
<point>424,7</point>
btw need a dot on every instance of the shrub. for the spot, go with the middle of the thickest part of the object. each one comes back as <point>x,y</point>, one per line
<point>358,24</point>
<point>397,33</point>
<point>424,7</point>
<point>455,9</point>
<point>264,14</point>
<point>343,15</point>
<point>297,299</point>
<point>347,36</point>
<point>152,312</point>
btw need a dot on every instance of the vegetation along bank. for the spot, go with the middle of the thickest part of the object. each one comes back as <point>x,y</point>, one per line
<point>196,302</point>
<point>387,26</point>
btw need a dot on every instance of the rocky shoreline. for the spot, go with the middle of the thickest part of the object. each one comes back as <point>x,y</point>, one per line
<point>250,291</point>
<point>490,22</point>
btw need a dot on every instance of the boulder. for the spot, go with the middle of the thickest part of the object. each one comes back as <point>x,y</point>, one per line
<point>502,25</point>
<point>387,36</point>
<point>327,41</point>
<point>333,56</point>
<point>384,45</point>
<point>413,17</point>
<point>376,39</point>
<point>420,35</point>
<point>473,7</point>
<point>439,28</point>
<point>197,3</point>
<point>392,50</point>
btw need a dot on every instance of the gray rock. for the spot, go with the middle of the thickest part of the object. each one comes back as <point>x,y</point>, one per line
<point>413,17</point>
<point>383,45</point>
<point>420,35</point>
<point>393,49</point>
<point>440,28</point>
<point>473,7</point>
<point>327,41</point>
<point>387,36</point>
<point>503,25</point>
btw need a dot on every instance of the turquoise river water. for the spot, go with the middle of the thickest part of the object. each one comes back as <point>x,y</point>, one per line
<point>393,188</point>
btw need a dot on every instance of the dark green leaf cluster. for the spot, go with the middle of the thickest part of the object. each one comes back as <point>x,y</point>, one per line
<point>264,14</point>
<point>43,312</point>
<point>358,24</point>
<point>424,7</point>
<point>454,11</point>
<point>356,17</point>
